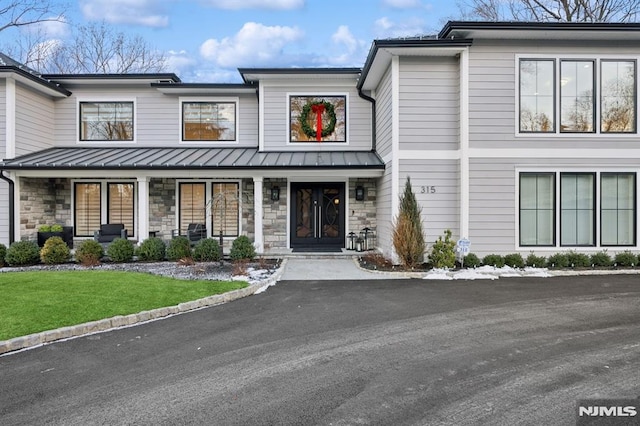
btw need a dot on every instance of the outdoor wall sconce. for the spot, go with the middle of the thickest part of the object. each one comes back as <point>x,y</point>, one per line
<point>275,193</point>
<point>359,193</point>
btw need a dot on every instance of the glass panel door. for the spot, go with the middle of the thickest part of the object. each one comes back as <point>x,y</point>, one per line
<point>317,214</point>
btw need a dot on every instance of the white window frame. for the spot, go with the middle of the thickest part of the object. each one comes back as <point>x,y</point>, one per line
<point>557,171</point>
<point>597,59</point>
<point>209,99</point>
<point>319,94</point>
<point>208,195</point>
<point>106,99</point>
<point>104,202</point>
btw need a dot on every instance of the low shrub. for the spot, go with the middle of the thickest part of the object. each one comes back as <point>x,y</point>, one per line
<point>578,260</point>
<point>471,261</point>
<point>3,254</point>
<point>120,250</point>
<point>179,248</point>
<point>601,259</point>
<point>626,259</point>
<point>207,250</point>
<point>54,251</point>
<point>443,252</point>
<point>56,228</point>
<point>151,250</point>
<point>558,260</point>
<point>23,253</point>
<point>536,261</point>
<point>89,253</point>
<point>493,260</point>
<point>514,260</point>
<point>242,248</point>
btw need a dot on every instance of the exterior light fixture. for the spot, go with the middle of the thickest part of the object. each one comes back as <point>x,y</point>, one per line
<point>275,193</point>
<point>359,193</point>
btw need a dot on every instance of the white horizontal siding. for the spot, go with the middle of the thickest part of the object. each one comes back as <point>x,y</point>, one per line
<point>3,118</point>
<point>384,102</point>
<point>383,212</point>
<point>429,103</point>
<point>34,121</point>
<point>4,213</point>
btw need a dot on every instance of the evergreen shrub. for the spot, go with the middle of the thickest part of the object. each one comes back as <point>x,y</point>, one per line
<point>23,253</point>
<point>242,249</point>
<point>120,250</point>
<point>443,252</point>
<point>514,260</point>
<point>151,250</point>
<point>558,260</point>
<point>207,250</point>
<point>578,260</point>
<point>408,235</point>
<point>536,261</point>
<point>179,248</point>
<point>601,259</point>
<point>472,261</point>
<point>54,251</point>
<point>626,259</point>
<point>89,253</point>
<point>493,260</point>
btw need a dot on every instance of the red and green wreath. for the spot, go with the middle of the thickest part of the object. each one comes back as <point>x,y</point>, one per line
<point>318,108</point>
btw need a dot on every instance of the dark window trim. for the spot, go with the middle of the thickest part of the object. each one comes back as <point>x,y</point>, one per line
<point>75,200</point>
<point>235,120</point>
<point>519,112</point>
<point>553,175</point>
<point>320,96</point>
<point>131,232</point>
<point>593,98</point>
<point>635,96</point>
<point>635,209</point>
<point>133,112</point>
<point>594,229</point>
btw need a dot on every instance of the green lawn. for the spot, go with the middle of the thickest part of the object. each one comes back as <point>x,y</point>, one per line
<point>31,302</point>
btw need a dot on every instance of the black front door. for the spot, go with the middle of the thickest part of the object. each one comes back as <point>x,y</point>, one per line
<point>317,214</point>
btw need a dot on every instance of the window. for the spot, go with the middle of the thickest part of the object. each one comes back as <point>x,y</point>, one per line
<point>618,102</point>
<point>121,205</point>
<point>577,209</point>
<point>537,209</point>
<point>106,121</point>
<point>87,208</point>
<point>576,96</point>
<point>318,118</point>
<point>224,209</point>
<point>192,204</point>
<point>618,209</point>
<point>208,121</point>
<point>537,92</point>
<point>582,85</point>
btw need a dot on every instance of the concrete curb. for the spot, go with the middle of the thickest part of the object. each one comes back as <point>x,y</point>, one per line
<point>120,321</point>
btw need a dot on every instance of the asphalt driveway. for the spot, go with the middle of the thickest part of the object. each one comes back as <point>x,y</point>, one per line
<point>512,351</point>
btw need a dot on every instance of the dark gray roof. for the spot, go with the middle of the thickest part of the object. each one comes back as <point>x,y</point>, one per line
<point>9,64</point>
<point>85,158</point>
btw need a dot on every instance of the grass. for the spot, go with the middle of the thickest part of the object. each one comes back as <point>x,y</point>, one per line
<point>45,300</point>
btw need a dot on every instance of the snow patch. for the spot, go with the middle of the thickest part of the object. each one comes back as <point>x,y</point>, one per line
<point>486,273</point>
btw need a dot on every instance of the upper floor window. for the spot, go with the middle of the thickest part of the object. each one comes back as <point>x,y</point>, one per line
<point>209,121</point>
<point>106,121</point>
<point>318,118</point>
<point>582,84</point>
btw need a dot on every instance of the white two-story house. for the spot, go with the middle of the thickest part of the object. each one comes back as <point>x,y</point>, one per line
<point>518,136</point>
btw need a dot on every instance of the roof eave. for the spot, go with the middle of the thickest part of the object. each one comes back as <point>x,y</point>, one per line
<point>48,87</point>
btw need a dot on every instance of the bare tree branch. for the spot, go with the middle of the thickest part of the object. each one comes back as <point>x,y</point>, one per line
<point>20,13</point>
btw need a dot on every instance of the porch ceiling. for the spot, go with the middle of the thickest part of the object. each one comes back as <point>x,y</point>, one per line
<point>183,158</point>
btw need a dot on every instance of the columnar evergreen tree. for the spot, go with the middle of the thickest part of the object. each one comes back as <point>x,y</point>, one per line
<point>408,235</point>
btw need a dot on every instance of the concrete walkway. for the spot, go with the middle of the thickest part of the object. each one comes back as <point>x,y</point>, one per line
<point>343,268</point>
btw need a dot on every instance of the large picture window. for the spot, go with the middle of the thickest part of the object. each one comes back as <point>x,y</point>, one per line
<point>618,209</point>
<point>121,205</point>
<point>193,204</point>
<point>537,209</point>
<point>537,93</point>
<point>225,209</point>
<point>618,102</point>
<point>87,204</point>
<point>318,118</point>
<point>576,96</point>
<point>215,204</point>
<point>106,121</point>
<point>208,121</point>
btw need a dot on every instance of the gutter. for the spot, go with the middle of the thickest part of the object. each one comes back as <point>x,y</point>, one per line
<point>373,117</point>
<point>12,236</point>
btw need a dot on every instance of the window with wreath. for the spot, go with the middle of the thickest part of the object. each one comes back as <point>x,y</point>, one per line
<point>106,121</point>
<point>318,118</point>
<point>209,121</point>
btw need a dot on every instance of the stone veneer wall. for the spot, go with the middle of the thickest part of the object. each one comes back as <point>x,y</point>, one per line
<point>43,202</point>
<point>247,220</point>
<point>275,216</point>
<point>362,213</point>
<point>162,207</point>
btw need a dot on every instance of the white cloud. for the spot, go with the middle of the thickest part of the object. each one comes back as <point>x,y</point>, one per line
<point>256,4</point>
<point>254,45</point>
<point>402,4</point>
<point>352,51</point>
<point>180,62</point>
<point>137,12</point>
<point>385,28</point>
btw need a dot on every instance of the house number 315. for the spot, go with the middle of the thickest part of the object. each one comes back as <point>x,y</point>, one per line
<point>428,189</point>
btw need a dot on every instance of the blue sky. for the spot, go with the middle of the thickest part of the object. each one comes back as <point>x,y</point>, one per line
<point>207,40</point>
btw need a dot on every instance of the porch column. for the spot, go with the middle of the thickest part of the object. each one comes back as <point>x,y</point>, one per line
<point>258,213</point>
<point>143,208</point>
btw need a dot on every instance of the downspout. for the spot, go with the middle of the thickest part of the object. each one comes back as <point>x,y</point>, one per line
<point>12,234</point>
<point>373,117</point>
